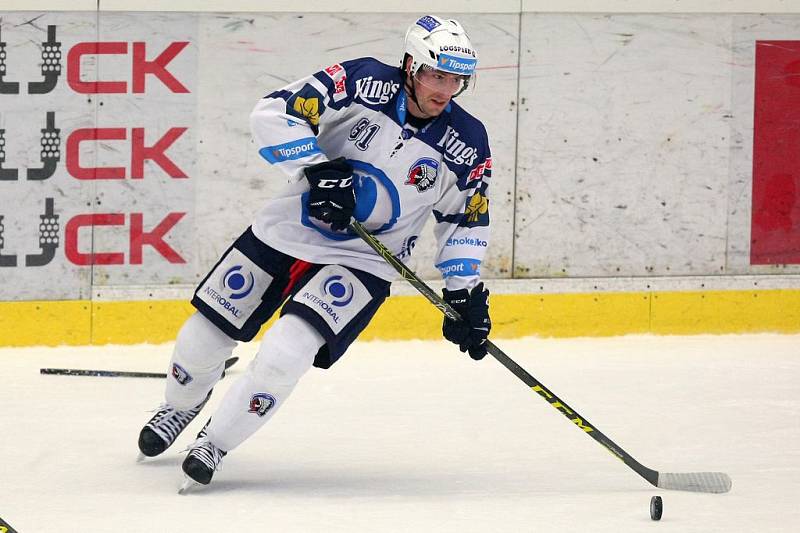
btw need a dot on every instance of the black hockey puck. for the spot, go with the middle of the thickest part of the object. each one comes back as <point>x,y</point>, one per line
<point>656,508</point>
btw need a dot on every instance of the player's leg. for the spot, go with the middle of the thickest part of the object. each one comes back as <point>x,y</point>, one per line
<point>195,367</point>
<point>286,353</point>
<point>239,294</point>
<point>329,307</point>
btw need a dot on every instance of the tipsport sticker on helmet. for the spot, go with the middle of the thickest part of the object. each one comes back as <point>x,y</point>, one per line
<point>456,65</point>
<point>289,151</point>
<point>235,288</point>
<point>428,22</point>
<point>307,104</point>
<point>336,295</point>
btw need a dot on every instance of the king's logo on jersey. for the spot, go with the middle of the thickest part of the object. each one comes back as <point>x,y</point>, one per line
<point>422,174</point>
<point>375,92</point>
<point>455,150</point>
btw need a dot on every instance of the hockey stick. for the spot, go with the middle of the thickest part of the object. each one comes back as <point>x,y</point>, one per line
<point>117,373</point>
<point>716,482</point>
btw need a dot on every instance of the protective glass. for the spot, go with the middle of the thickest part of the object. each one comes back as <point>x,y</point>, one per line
<point>443,82</point>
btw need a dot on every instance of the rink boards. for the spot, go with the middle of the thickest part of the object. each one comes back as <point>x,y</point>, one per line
<point>412,317</point>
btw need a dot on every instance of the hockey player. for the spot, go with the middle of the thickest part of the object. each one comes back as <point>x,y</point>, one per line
<point>359,139</point>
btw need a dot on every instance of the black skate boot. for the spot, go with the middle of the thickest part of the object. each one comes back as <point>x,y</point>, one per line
<point>165,426</point>
<point>203,460</point>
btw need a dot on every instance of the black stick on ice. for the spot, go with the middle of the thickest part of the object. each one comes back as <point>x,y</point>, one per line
<point>716,482</point>
<point>116,373</point>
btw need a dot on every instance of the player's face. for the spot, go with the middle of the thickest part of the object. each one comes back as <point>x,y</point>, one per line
<point>440,81</point>
<point>434,89</point>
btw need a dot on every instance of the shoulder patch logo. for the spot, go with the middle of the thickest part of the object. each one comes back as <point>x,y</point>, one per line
<point>307,104</point>
<point>477,213</point>
<point>308,108</point>
<point>422,174</point>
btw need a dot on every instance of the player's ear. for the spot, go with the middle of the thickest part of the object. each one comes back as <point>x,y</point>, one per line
<point>407,60</point>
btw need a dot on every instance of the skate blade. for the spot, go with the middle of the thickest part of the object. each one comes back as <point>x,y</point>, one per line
<point>141,457</point>
<point>187,485</point>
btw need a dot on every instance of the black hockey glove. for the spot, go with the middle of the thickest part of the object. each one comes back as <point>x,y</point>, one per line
<point>332,198</point>
<point>471,332</point>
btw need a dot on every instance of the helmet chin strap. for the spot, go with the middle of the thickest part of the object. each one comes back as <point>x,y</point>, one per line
<point>413,93</point>
<point>408,83</point>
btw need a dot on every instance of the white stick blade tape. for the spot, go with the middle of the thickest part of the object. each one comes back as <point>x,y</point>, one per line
<point>715,482</point>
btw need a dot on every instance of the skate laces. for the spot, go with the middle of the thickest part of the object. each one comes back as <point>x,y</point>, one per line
<point>168,422</point>
<point>205,452</point>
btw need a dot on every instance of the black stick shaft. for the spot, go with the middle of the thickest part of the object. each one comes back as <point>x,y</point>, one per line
<point>115,373</point>
<point>572,415</point>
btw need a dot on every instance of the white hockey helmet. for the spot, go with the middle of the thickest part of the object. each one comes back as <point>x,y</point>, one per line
<point>439,44</point>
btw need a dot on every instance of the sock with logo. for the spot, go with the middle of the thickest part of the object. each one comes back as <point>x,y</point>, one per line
<point>286,353</point>
<point>197,362</point>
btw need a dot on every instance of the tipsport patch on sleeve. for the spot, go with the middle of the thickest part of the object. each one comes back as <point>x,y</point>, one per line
<point>235,288</point>
<point>290,151</point>
<point>463,267</point>
<point>336,294</point>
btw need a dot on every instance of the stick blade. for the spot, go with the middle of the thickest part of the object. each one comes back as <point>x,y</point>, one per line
<point>714,482</point>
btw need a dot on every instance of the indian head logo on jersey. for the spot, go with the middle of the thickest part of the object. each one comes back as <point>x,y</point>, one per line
<point>422,174</point>
<point>261,403</point>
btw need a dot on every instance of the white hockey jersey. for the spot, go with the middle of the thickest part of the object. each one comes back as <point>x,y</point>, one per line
<point>357,109</point>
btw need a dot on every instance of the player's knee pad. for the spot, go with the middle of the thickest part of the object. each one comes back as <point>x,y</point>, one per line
<point>197,362</point>
<point>202,345</point>
<point>287,351</point>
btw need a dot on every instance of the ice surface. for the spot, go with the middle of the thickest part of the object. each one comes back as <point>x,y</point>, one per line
<point>416,437</point>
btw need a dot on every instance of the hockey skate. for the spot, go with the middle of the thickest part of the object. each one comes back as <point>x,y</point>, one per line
<point>203,460</point>
<point>165,426</point>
